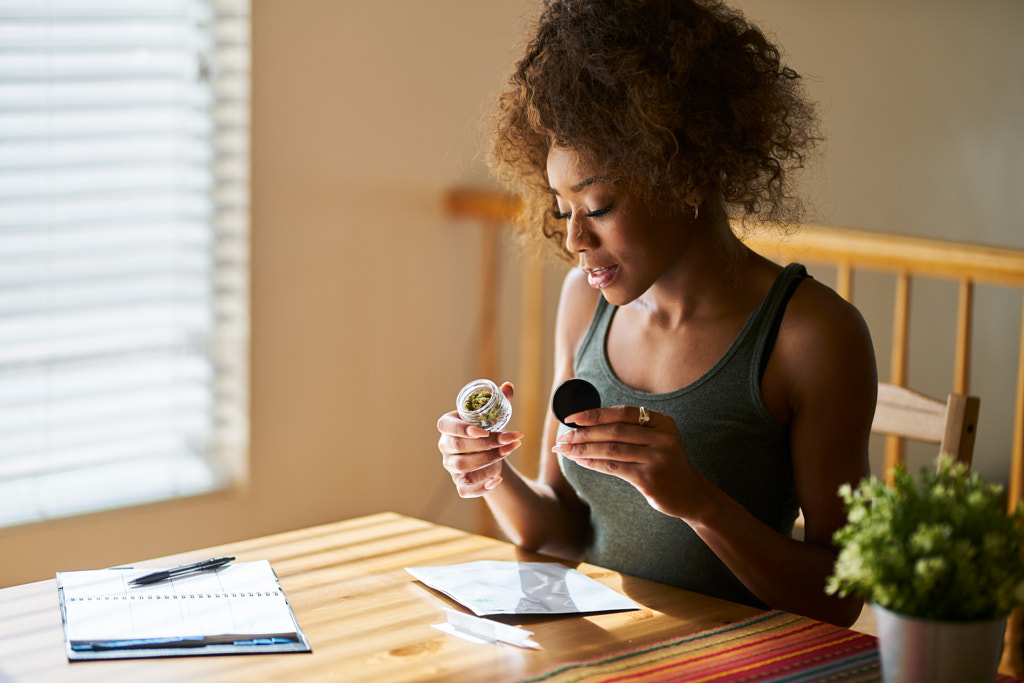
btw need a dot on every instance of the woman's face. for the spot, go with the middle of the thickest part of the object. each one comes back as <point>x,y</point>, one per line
<point>624,245</point>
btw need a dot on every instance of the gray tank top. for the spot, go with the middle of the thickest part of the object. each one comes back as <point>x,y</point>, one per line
<point>731,438</point>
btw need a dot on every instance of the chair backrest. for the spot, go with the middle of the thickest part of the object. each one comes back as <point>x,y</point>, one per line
<point>901,414</point>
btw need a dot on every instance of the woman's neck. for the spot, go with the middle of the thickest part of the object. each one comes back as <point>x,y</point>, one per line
<point>705,282</point>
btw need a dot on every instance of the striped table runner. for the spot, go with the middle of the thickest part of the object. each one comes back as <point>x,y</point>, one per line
<point>776,647</point>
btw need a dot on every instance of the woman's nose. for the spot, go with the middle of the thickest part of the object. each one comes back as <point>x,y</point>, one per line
<point>577,237</point>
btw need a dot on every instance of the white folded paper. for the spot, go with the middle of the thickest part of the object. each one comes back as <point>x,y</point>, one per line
<point>480,631</point>
<point>491,587</point>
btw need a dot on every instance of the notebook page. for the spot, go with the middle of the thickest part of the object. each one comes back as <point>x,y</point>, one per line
<point>239,599</point>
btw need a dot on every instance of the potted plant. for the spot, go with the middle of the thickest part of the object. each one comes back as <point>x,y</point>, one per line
<point>939,560</point>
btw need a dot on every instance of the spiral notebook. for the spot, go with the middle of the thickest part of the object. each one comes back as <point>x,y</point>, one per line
<point>237,609</point>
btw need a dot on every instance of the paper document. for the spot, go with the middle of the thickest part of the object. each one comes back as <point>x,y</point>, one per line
<point>491,587</point>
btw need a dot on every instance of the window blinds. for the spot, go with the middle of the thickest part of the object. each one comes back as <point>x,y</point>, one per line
<point>123,252</point>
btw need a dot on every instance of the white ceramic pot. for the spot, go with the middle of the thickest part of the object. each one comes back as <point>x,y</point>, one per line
<point>923,651</point>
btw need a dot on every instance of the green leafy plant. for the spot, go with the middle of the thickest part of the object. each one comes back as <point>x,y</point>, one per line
<point>945,549</point>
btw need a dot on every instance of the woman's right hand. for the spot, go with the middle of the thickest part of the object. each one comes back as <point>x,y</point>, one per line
<point>473,455</point>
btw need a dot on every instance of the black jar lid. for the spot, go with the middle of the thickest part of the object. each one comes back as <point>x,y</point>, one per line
<point>574,396</point>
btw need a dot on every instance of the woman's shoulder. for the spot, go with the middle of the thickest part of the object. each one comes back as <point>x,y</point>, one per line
<point>815,303</point>
<point>823,360</point>
<point>822,329</point>
<point>812,306</point>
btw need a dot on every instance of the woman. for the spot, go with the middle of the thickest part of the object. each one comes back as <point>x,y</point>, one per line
<point>733,391</point>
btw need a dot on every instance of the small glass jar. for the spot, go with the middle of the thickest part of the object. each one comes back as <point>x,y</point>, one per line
<point>482,403</point>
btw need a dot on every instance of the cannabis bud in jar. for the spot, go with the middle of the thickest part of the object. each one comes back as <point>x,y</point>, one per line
<point>482,403</point>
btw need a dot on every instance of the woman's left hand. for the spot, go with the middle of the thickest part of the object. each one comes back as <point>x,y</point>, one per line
<point>649,456</point>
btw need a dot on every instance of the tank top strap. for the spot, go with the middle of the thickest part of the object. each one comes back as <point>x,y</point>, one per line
<point>766,327</point>
<point>595,333</point>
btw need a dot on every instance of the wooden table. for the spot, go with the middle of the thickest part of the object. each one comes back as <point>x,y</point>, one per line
<point>366,618</point>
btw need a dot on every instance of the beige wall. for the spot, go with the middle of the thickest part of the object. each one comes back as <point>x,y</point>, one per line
<point>362,327</point>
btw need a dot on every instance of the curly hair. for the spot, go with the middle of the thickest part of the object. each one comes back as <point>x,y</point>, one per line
<point>666,95</point>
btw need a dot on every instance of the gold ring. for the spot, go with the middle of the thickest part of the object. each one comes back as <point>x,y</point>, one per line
<point>644,416</point>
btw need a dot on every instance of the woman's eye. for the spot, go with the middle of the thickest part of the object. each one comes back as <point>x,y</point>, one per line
<point>559,216</point>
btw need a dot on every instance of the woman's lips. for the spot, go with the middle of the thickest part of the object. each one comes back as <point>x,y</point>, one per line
<point>600,278</point>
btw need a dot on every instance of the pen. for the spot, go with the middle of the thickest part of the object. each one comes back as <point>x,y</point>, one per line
<point>165,574</point>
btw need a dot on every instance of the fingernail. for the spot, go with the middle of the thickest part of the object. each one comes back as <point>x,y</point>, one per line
<point>477,432</point>
<point>564,437</point>
<point>561,448</point>
<point>509,437</point>
<point>492,483</point>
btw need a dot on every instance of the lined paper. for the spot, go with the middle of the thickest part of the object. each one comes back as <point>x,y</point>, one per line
<point>239,599</point>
